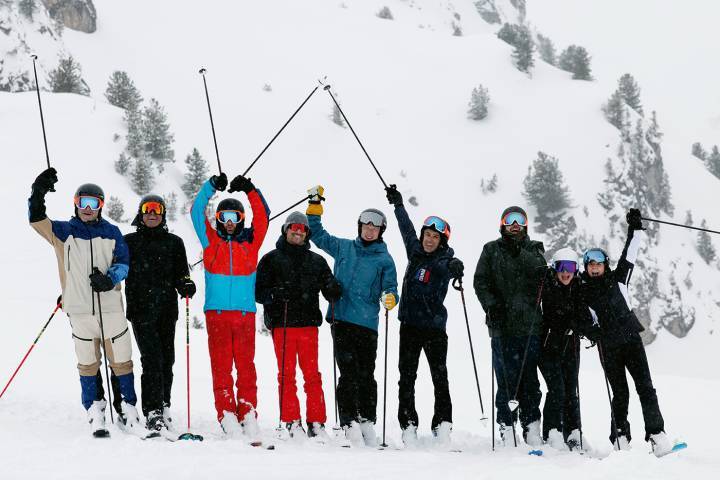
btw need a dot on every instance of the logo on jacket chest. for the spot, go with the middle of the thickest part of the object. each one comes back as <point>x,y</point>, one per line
<point>422,275</point>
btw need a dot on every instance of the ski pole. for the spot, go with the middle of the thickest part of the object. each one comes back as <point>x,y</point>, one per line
<point>188,435</point>
<point>42,118</point>
<point>332,334</point>
<point>307,197</point>
<point>327,89</point>
<point>680,225</point>
<point>57,307</point>
<point>102,332</point>
<point>212,124</point>
<point>492,398</point>
<point>457,285</point>
<point>577,386</point>
<point>607,385</point>
<point>507,392</point>
<point>282,369</point>
<point>387,316</point>
<point>195,264</point>
<point>280,131</point>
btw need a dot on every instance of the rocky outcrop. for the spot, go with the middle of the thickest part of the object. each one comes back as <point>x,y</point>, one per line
<point>74,14</point>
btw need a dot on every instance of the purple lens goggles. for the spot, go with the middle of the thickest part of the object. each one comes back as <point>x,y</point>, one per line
<point>565,266</point>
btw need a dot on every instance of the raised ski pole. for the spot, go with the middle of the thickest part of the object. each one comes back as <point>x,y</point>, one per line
<point>212,124</point>
<point>327,89</point>
<point>282,367</point>
<point>680,225</point>
<point>42,118</point>
<point>280,131</point>
<point>607,386</point>
<point>57,307</point>
<point>188,435</point>
<point>387,316</point>
<point>457,285</point>
<point>307,197</point>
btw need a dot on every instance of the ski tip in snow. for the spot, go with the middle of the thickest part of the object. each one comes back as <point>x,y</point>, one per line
<point>679,446</point>
<point>537,453</point>
<point>103,433</point>
<point>191,436</point>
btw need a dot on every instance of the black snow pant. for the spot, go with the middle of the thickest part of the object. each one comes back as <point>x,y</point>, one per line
<point>355,353</point>
<point>507,354</point>
<point>631,356</point>
<point>434,342</point>
<point>559,363</point>
<point>155,338</point>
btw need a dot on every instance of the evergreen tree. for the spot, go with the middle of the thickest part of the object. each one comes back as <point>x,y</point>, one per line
<point>27,8</point>
<point>657,178</point>
<point>705,247</point>
<point>171,203</point>
<point>698,151</point>
<point>713,161</point>
<point>121,92</point>
<point>689,218</point>
<point>545,189</point>
<point>157,139</point>
<point>336,116</point>
<point>524,49</point>
<point>385,13</point>
<point>478,104</point>
<point>576,60</point>
<point>122,164</point>
<point>196,175</point>
<point>546,49</point>
<point>630,92</point>
<point>457,29</point>
<point>508,33</point>
<point>489,186</point>
<point>115,209</point>
<point>142,177</point>
<point>614,110</point>
<point>67,78</point>
<point>133,120</point>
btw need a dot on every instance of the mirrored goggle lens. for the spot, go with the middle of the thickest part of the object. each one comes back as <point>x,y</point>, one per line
<point>371,218</point>
<point>297,227</point>
<point>438,224</point>
<point>515,217</point>
<point>595,256</point>
<point>152,207</point>
<point>566,266</point>
<point>84,202</point>
<point>234,216</point>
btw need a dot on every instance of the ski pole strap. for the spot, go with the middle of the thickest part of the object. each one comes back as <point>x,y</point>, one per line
<point>457,284</point>
<point>680,225</point>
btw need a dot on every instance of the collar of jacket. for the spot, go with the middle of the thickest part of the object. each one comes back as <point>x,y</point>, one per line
<point>282,244</point>
<point>245,235</point>
<point>377,246</point>
<point>158,231</point>
<point>76,222</point>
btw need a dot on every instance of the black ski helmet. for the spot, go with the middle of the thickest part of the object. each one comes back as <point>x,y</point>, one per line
<point>372,212</point>
<point>89,190</point>
<point>230,204</point>
<point>150,198</point>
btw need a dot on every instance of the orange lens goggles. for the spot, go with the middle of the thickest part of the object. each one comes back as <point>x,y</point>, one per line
<point>235,216</point>
<point>152,207</point>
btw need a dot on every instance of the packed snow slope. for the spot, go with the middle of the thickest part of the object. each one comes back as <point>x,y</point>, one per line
<point>405,90</point>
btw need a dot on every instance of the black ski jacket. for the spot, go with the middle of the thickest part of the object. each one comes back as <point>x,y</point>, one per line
<point>158,264</point>
<point>305,274</point>
<point>426,280</point>
<point>563,311</point>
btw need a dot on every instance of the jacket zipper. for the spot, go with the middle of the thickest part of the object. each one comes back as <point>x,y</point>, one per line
<point>231,272</point>
<point>68,258</point>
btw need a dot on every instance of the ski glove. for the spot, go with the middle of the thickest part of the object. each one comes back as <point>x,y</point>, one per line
<point>219,182</point>
<point>634,219</point>
<point>186,287</point>
<point>389,300</point>
<point>45,182</point>
<point>332,290</point>
<point>456,268</point>
<point>100,282</point>
<point>495,317</point>
<point>241,184</point>
<point>394,197</point>
<point>315,195</point>
<point>281,293</point>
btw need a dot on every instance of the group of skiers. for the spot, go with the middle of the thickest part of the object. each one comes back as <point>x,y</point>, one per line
<point>535,315</point>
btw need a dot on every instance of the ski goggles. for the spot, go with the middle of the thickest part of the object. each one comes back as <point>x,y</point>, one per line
<point>514,217</point>
<point>595,255</point>
<point>438,224</point>
<point>152,207</point>
<point>298,227</point>
<point>234,216</point>
<point>372,218</point>
<point>565,266</point>
<point>85,201</point>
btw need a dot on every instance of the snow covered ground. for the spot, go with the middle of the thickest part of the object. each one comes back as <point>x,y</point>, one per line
<point>405,89</point>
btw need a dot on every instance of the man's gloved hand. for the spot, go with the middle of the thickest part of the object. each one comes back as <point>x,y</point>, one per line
<point>388,300</point>
<point>316,196</point>
<point>186,287</point>
<point>496,317</point>
<point>281,293</point>
<point>264,328</point>
<point>100,282</point>
<point>634,219</point>
<point>241,184</point>
<point>59,301</point>
<point>219,182</point>
<point>394,197</point>
<point>45,182</point>
<point>456,268</point>
<point>333,290</point>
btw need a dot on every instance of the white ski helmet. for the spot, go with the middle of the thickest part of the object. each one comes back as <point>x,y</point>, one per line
<point>565,255</point>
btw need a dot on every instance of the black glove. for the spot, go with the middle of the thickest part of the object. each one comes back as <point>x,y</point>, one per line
<point>634,219</point>
<point>45,182</point>
<point>100,282</point>
<point>241,184</point>
<point>333,290</point>
<point>456,268</point>
<point>495,317</point>
<point>393,196</point>
<point>219,182</point>
<point>186,287</point>
<point>281,293</point>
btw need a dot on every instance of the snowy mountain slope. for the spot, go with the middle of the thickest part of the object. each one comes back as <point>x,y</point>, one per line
<point>405,90</point>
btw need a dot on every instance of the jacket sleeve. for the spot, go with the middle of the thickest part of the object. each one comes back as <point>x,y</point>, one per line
<point>181,263</point>
<point>389,279</point>
<point>484,283</point>
<point>407,230</point>
<point>264,281</point>
<point>118,271</point>
<point>261,216</point>
<point>328,282</point>
<point>197,213</point>
<point>320,237</point>
<point>626,264</point>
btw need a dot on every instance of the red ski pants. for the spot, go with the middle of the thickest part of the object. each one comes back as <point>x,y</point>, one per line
<point>300,343</point>
<point>231,340</point>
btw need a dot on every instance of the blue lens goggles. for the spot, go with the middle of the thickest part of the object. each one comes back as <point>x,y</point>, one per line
<point>514,217</point>
<point>233,216</point>
<point>594,255</point>
<point>438,224</point>
<point>84,201</point>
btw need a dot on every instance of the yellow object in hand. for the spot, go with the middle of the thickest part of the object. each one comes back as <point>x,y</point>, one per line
<point>389,300</point>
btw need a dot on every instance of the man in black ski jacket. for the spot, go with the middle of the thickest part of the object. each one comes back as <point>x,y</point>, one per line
<point>289,280</point>
<point>423,318</point>
<point>617,333</point>
<point>508,283</point>
<point>158,274</point>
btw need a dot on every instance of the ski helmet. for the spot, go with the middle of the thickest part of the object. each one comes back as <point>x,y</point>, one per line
<point>296,217</point>
<point>89,190</point>
<point>438,225</point>
<point>374,217</point>
<point>230,204</point>
<point>150,198</point>
<point>596,255</point>
<point>565,260</point>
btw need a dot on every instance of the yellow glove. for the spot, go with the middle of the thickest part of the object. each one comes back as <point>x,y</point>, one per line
<point>316,196</point>
<point>388,300</point>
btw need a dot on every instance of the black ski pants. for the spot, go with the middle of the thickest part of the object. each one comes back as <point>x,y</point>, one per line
<point>507,355</point>
<point>559,363</point>
<point>631,357</point>
<point>434,342</point>
<point>355,353</point>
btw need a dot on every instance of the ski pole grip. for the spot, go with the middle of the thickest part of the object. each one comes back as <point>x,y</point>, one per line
<point>457,284</point>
